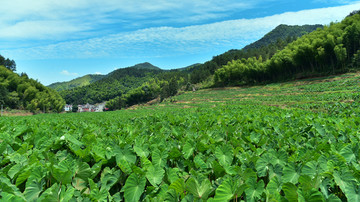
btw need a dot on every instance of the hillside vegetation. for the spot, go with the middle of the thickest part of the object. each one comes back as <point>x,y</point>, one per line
<point>265,48</point>
<point>114,84</point>
<point>20,92</point>
<point>293,141</point>
<point>78,82</point>
<point>333,49</point>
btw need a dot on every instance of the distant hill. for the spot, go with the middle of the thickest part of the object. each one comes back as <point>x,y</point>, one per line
<point>146,66</point>
<point>265,47</point>
<point>78,82</point>
<point>21,92</point>
<point>282,32</point>
<point>112,85</point>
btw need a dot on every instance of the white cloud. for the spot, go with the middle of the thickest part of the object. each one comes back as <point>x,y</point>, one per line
<point>98,73</point>
<point>169,41</point>
<point>67,73</point>
<point>44,19</point>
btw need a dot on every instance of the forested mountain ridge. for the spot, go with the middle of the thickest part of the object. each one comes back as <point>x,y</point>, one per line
<point>20,92</point>
<point>333,49</point>
<point>282,32</point>
<point>78,82</point>
<point>265,47</point>
<point>114,84</point>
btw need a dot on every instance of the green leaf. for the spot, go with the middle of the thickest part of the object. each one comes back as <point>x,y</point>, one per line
<point>125,154</point>
<point>348,154</point>
<point>14,170</point>
<point>33,190</point>
<point>291,173</point>
<point>155,175</point>
<point>159,158</point>
<point>141,152</point>
<point>95,193</point>
<point>134,187</point>
<point>66,194</point>
<point>228,189</point>
<point>263,164</point>
<point>178,186</point>
<point>200,191</point>
<point>290,191</point>
<point>199,163</point>
<point>344,180</point>
<point>254,190</point>
<point>109,178</point>
<point>352,193</point>
<point>10,197</point>
<point>225,155</point>
<point>188,150</point>
<point>83,170</point>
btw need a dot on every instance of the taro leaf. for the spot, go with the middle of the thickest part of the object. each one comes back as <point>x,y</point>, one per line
<point>51,194</point>
<point>187,150</point>
<point>312,195</point>
<point>23,176</point>
<point>254,190</point>
<point>7,186</point>
<point>320,129</point>
<point>333,198</point>
<point>348,154</point>
<point>33,189</point>
<point>80,184</point>
<point>178,186</point>
<point>95,169</point>
<point>134,187</point>
<point>290,191</point>
<point>141,151</point>
<point>352,193</point>
<point>10,197</point>
<point>62,173</point>
<point>66,194</point>
<point>200,191</point>
<point>109,178</point>
<point>171,196</point>
<point>172,174</point>
<point>199,163</point>
<point>263,164</point>
<point>14,170</point>
<point>159,158</point>
<point>291,173</point>
<point>82,170</point>
<point>229,188</point>
<point>311,169</point>
<point>125,154</point>
<point>124,166</point>
<point>274,188</point>
<point>155,175</point>
<point>95,194</point>
<point>225,155</point>
<point>344,180</point>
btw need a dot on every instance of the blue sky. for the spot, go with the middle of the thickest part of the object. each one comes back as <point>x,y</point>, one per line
<point>59,40</point>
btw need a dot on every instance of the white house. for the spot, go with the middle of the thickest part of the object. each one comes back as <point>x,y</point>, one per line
<point>68,108</point>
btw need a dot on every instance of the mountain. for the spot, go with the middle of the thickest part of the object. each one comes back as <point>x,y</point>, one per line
<point>112,85</point>
<point>21,92</point>
<point>78,82</point>
<point>331,50</point>
<point>265,47</point>
<point>146,66</point>
<point>282,32</point>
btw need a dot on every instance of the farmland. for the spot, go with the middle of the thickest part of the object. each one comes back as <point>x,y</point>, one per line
<point>291,141</point>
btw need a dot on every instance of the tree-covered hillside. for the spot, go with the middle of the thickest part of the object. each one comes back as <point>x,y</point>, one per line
<point>78,82</point>
<point>266,47</point>
<point>8,63</point>
<point>112,85</point>
<point>20,92</point>
<point>282,32</point>
<point>333,49</point>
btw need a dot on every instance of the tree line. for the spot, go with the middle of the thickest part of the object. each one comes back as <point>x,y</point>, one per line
<point>20,92</point>
<point>333,49</point>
